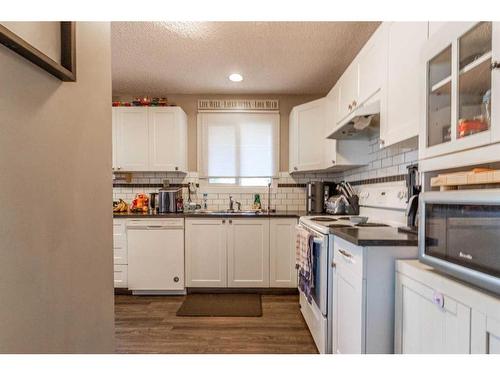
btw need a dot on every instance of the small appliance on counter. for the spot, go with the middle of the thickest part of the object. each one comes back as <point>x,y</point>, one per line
<point>317,194</point>
<point>168,200</point>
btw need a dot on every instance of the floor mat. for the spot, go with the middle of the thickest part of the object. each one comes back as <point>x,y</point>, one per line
<point>221,305</point>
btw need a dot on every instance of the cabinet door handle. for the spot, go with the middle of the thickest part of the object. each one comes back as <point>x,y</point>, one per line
<point>345,253</point>
<point>295,168</point>
<point>176,168</point>
<point>354,103</point>
<point>334,265</point>
<point>223,221</point>
<point>333,161</point>
<point>230,221</point>
<point>495,65</point>
<point>350,107</point>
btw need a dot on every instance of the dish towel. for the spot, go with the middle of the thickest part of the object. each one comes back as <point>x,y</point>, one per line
<point>303,261</point>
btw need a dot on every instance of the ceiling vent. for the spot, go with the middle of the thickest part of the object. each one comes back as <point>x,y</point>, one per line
<point>238,105</point>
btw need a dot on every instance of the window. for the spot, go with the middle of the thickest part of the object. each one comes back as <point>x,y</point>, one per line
<point>238,148</point>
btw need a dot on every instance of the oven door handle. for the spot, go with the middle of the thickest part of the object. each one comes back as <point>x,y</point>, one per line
<point>317,240</point>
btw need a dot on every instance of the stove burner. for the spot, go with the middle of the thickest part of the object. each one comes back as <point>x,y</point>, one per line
<point>323,218</point>
<point>372,225</point>
<point>339,226</point>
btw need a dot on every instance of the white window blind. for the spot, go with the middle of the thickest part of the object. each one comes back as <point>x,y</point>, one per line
<point>238,144</point>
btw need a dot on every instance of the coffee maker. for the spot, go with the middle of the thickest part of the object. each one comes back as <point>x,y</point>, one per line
<point>317,193</point>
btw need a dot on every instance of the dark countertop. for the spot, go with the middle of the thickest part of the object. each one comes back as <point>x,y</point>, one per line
<point>375,236</point>
<point>136,215</point>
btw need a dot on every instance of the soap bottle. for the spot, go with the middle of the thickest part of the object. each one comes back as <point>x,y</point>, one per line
<point>256,202</point>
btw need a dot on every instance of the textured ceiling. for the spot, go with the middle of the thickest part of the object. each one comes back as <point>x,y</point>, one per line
<point>155,58</point>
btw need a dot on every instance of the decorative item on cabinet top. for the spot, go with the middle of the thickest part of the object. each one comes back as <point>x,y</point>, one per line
<point>238,105</point>
<point>143,102</point>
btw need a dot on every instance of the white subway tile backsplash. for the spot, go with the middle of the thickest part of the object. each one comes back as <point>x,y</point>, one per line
<point>386,162</point>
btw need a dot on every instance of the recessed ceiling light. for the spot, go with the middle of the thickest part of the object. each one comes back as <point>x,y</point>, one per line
<point>236,77</point>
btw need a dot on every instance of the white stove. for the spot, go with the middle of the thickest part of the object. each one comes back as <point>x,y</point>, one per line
<point>384,205</point>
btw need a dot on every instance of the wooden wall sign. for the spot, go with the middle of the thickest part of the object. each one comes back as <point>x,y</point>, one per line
<point>65,70</point>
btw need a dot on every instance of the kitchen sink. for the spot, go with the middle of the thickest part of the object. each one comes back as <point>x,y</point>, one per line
<point>227,212</point>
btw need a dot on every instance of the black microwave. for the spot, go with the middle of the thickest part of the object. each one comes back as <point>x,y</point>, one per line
<point>459,234</point>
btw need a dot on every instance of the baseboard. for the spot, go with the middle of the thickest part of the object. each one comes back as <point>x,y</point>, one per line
<point>122,291</point>
<point>272,291</point>
<point>159,292</point>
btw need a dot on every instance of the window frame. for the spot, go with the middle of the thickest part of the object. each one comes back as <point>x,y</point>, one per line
<point>237,178</point>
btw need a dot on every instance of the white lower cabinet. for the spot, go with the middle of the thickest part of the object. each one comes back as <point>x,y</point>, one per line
<point>120,276</point>
<point>363,299</point>
<point>248,253</point>
<point>120,259</point>
<point>430,326</point>
<point>282,271</point>
<point>240,253</point>
<point>206,253</point>
<point>438,315</point>
<point>349,311</point>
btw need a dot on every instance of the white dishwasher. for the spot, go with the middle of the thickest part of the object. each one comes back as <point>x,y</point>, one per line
<point>156,256</point>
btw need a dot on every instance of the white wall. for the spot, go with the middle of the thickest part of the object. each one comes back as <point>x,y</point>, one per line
<point>56,279</point>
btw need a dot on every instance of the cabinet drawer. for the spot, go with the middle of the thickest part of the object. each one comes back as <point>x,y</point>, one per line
<point>119,226</point>
<point>121,276</point>
<point>120,255</point>
<point>171,222</point>
<point>119,242</point>
<point>348,257</point>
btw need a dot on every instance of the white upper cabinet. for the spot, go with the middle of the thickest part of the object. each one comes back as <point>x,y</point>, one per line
<point>401,121</point>
<point>461,87</point>
<point>310,150</point>
<point>434,27</point>
<point>372,65</point>
<point>150,139</point>
<point>332,110</point>
<point>307,126</point>
<point>365,76</point>
<point>167,139</point>
<point>348,90</point>
<point>132,140</point>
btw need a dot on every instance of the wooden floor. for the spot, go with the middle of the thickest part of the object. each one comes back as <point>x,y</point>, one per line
<point>149,325</point>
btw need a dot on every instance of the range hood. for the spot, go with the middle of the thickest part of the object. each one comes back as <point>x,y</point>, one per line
<point>361,123</point>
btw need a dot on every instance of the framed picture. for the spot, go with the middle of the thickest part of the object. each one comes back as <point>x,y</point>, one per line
<point>49,45</point>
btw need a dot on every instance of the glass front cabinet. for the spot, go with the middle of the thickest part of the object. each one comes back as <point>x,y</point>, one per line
<point>462,87</point>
